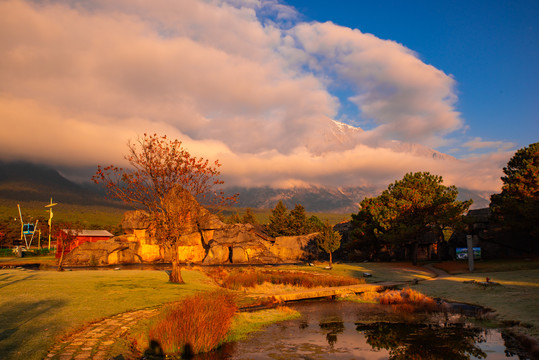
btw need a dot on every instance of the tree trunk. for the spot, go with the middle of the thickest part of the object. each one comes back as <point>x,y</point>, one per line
<point>176,273</point>
<point>330,260</point>
<point>414,253</point>
<point>61,260</point>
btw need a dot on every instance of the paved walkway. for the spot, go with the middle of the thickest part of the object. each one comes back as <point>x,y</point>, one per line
<point>438,273</point>
<point>95,340</point>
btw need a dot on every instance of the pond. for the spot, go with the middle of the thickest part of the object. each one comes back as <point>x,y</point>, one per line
<point>346,330</point>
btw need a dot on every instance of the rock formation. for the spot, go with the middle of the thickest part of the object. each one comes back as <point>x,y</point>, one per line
<point>206,240</point>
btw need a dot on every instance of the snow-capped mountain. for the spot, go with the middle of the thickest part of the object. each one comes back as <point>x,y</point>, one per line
<point>325,199</point>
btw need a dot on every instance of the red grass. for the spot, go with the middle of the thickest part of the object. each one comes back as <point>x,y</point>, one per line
<point>197,324</point>
<point>407,300</point>
<point>248,278</point>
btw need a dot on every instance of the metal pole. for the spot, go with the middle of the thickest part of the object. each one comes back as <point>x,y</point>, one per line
<point>22,222</point>
<point>469,240</point>
<point>33,233</point>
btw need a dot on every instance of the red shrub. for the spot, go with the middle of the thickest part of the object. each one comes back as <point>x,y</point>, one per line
<point>197,324</point>
<point>407,300</point>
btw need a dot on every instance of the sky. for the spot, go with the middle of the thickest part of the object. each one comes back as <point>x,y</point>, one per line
<point>296,93</point>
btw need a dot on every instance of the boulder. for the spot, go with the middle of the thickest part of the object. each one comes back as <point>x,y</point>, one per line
<point>295,248</point>
<point>239,255</point>
<point>104,252</point>
<point>137,219</point>
<point>217,254</point>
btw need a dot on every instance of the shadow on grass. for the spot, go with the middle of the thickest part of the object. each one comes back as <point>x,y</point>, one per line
<point>8,277</point>
<point>21,322</point>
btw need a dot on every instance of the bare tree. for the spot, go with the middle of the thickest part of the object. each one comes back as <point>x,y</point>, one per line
<point>164,179</point>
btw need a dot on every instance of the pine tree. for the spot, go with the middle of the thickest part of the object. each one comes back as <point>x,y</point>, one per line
<point>298,221</point>
<point>410,208</point>
<point>517,207</point>
<point>279,220</point>
<point>249,217</point>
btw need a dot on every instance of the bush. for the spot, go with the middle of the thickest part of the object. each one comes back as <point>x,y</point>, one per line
<point>34,252</point>
<point>197,324</point>
<point>407,300</point>
<point>6,252</point>
<point>249,278</point>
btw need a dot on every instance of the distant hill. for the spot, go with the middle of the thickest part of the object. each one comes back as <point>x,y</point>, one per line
<point>326,199</point>
<point>29,182</point>
<point>23,181</point>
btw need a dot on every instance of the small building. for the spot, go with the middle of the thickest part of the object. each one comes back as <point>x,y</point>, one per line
<point>82,237</point>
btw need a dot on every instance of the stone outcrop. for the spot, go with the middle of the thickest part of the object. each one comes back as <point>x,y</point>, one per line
<point>107,252</point>
<point>204,239</point>
<point>295,248</point>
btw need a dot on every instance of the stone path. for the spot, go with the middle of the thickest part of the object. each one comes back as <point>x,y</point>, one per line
<point>95,340</point>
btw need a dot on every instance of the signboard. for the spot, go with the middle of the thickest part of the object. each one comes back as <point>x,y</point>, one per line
<point>462,253</point>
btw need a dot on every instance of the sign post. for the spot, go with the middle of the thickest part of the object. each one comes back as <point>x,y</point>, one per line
<point>469,241</point>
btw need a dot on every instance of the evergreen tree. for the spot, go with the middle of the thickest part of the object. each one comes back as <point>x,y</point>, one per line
<point>233,219</point>
<point>410,208</point>
<point>517,207</point>
<point>298,221</point>
<point>279,220</point>
<point>249,217</point>
<point>314,224</point>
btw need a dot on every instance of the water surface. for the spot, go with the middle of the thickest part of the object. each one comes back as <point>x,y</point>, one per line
<point>345,330</point>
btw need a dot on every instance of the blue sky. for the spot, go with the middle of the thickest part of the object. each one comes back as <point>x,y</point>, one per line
<point>262,85</point>
<point>491,47</point>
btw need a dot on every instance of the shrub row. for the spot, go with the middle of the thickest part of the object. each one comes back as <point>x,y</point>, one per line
<point>248,278</point>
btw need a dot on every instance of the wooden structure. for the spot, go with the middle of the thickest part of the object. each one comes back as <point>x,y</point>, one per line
<point>82,237</point>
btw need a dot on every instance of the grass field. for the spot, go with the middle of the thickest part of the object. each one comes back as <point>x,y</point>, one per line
<point>262,215</point>
<point>96,216</point>
<point>484,266</point>
<point>37,307</point>
<point>380,272</point>
<point>514,299</point>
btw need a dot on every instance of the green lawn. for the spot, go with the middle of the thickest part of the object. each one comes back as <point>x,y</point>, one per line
<point>36,307</point>
<point>515,299</point>
<point>380,272</point>
<point>87,215</point>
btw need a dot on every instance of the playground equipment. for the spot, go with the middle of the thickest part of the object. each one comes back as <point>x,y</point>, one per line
<point>27,229</point>
<point>50,219</point>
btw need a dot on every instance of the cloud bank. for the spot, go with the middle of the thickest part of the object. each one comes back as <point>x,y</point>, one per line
<point>241,81</point>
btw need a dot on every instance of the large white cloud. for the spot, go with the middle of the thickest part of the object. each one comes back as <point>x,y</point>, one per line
<point>78,79</point>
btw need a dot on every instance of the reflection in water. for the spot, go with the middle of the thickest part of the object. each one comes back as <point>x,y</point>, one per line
<point>425,341</point>
<point>344,330</point>
<point>333,328</point>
